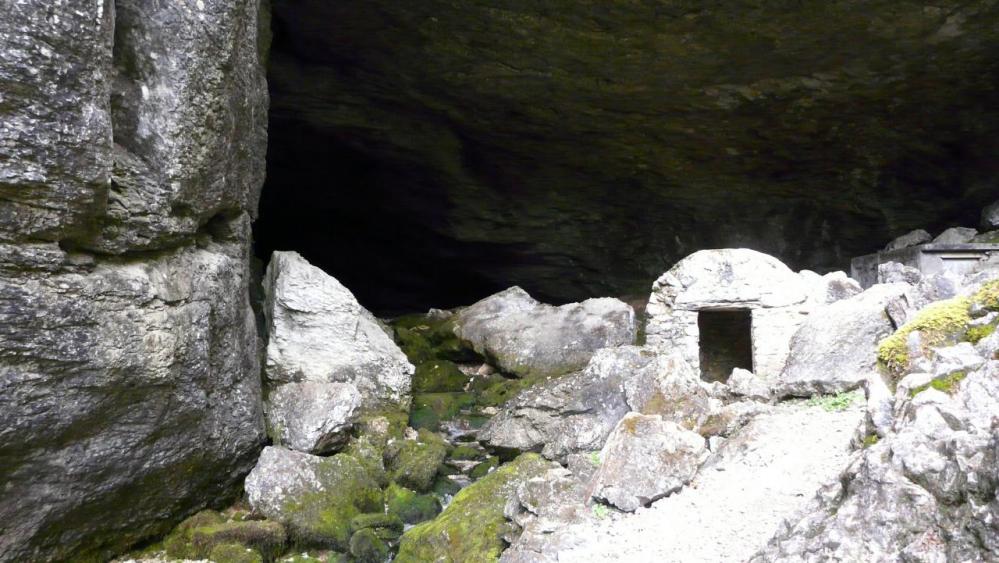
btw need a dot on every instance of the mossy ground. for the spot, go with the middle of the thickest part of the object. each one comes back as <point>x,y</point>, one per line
<point>439,376</point>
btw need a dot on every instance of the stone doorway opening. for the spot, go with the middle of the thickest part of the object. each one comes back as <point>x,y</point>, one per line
<point>726,342</point>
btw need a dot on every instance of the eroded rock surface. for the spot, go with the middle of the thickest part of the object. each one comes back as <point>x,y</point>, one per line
<point>312,417</point>
<point>531,339</point>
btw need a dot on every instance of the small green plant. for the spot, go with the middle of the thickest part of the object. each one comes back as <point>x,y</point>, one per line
<point>870,440</point>
<point>833,403</point>
<point>595,458</point>
<point>600,511</point>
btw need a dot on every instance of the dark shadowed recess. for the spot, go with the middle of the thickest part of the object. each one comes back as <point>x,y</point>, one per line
<point>430,153</point>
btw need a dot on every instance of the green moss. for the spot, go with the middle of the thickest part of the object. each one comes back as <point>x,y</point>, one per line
<point>366,450</point>
<point>178,543</point>
<point>424,339</point>
<point>483,469</point>
<point>444,487</point>
<point>415,465</point>
<point>988,296</point>
<point>322,518</point>
<point>978,333</point>
<point>375,520</point>
<point>594,458</point>
<point>938,324</point>
<point>945,384</point>
<point>471,529</point>
<point>410,506</point>
<point>870,440</point>
<point>430,409</point>
<point>501,390</point>
<point>465,452</point>
<point>600,511</point>
<point>234,553</point>
<point>439,376</point>
<point>266,538</point>
<point>367,547</point>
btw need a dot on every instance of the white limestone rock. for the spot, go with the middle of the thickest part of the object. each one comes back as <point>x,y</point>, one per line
<point>956,235</point>
<point>645,459</point>
<point>319,332</point>
<point>743,383</point>
<point>836,348</point>
<point>313,417</point>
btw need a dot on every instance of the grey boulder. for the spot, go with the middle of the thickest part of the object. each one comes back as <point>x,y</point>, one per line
<point>956,235</point>
<point>312,417</point>
<point>319,332</point>
<point>646,458</point>
<point>836,348</point>
<point>913,238</point>
<point>527,338</point>
<point>743,383</point>
<point>564,415</point>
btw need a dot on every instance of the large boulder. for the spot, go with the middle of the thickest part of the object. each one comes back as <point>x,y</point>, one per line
<point>531,339</point>
<point>314,497</point>
<point>912,238</point>
<point>129,396</point>
<point>572,413</point>
<point>318,332</point>
<point>473,526</point>
<point>312,417</point>
<point>836,347</point>
<point>645,459</point>
<point>956,235</point>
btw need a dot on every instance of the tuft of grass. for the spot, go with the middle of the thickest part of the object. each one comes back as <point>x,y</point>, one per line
<point>600,511</point>
<point>833,403</point>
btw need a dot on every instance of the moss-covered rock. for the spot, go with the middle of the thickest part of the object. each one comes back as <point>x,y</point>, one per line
<point>369,452</point>
<point>439,376</point>
<point>464,452</point>
<point>483,469</point>
<point>988,296</point>
<point>430,409</point>
<point>410,506</point>
<point>375,520</point>
<point>423,339</point>
<point>415,465</point>
<point>178,543</point>
<point>367,547</point>
<point>946,384</point>
<point>471,528</point>
<point>234,553</point>
<point>314,497</point>
<point>938,324</point>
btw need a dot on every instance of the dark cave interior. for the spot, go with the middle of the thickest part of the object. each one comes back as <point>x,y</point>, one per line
<point>429,155</point>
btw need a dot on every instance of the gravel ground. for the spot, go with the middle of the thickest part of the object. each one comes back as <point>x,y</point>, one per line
<point>761,476</point>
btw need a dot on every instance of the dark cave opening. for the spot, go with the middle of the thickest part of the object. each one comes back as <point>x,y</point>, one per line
<point>426,165</point>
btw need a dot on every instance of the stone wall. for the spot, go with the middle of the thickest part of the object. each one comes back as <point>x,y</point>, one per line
<point>133,135</point>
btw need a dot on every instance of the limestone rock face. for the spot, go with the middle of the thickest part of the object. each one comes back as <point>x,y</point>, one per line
<point>313,417</point>
<point>561,139</point>
<point>926,491</point>
<point>129,394</point>
<point>318,332</point>
<point>645,459</point>
<point>314,497</point>
<point>55,125</point>
<point>531,339</point>
<point>836,348</point>
<point>129,380</point>
<point>743,383</point>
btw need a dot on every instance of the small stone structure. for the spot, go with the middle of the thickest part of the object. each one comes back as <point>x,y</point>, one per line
<point>929,259</point>
<point>729,308</point>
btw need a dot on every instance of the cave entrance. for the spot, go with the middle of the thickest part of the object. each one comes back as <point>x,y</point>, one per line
<point>726,342</point>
